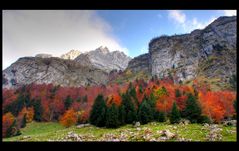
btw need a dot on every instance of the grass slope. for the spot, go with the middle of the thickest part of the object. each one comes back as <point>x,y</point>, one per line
<point>54,131</point>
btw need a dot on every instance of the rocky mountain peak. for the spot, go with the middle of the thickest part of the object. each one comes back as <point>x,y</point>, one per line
<point>103,50</point>
<point>72,54</point>
<point>104,59</point>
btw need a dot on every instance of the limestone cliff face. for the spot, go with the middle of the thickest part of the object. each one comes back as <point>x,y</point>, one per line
<point>140,63</point>
<point>105,60</point>
<point>58,71</point>
<point>185,54</point>
<point>210,52</point>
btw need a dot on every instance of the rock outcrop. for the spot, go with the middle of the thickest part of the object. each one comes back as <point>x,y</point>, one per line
<point>210,52</point>
<point>140,63</point>
<point>71,54</point>
<point>43,55</point>
<point>58,71</point>
<point>103,59</point>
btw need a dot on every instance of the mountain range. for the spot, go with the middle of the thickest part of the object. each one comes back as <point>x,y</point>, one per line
<point>210,53</point>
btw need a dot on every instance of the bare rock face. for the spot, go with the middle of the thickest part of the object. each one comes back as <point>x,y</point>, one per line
<point>58,71</point>
<point>71,54</point>
<point>140,63</point>
<point>103,59</point>
<point>210,52</point>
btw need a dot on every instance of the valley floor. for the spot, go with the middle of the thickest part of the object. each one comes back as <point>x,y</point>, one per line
<point>150,132</point>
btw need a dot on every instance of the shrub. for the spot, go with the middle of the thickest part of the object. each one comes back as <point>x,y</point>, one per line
<point>69,118</point>
<point>28,112</point>
<point>9,126</point>
<point>160,116</point>
<point>204,119</point>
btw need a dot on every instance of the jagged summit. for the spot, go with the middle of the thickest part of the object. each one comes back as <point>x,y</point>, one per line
<point>104,59</point>
<point>72,54</point>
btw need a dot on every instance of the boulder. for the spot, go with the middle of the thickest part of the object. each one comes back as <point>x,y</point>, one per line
<point>137,124</point>
<point>168,134</point>
<point>184,122</point>
<point>82,125</point>
<point>230,123</point>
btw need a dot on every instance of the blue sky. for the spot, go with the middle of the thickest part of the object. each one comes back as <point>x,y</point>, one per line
<point>30,32</point>
<point>136,28</point>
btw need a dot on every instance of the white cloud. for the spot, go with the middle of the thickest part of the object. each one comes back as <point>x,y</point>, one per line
<point>193,24</point>
<point>29,32</point>
<point>177,16</point>
<point>230,12</point>
<point>188,25</point>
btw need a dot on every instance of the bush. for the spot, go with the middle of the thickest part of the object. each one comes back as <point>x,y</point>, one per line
<point>98,112</point>
<point>175,114</point>
<point>69,118</point>
<point>28,113</point>
<point>9,126</point>
<point>204,119</point>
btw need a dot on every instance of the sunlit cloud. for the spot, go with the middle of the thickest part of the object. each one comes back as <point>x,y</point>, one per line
<point>29,32</point>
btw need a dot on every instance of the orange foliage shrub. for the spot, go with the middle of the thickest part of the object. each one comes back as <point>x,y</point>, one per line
<point>69,118</point>
<point>29,114</point>
<point>7,121</point>
<point>114,98</point>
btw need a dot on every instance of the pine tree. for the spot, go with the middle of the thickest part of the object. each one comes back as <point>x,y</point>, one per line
<point>177,93</point>
<point>145,113</point>
<point>98,112</point>
<point>68,101</point>
<point>159,116</point>
<point>24,121</point>
<point>122,114</point>
<point>112,117</point>
<point>175,114</point>
<point>38,110</point>
<point>192,110</point>
<point>130,111</point>
<point>235,105</point>
<point>152,103</point>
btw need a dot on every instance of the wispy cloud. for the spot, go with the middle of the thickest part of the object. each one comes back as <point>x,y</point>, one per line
<point>178,16</point>
<point>181,21</point>
<point>28,32</point>
<point>230,12</point>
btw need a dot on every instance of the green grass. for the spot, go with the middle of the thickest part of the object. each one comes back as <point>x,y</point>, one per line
<point>54,131</point>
